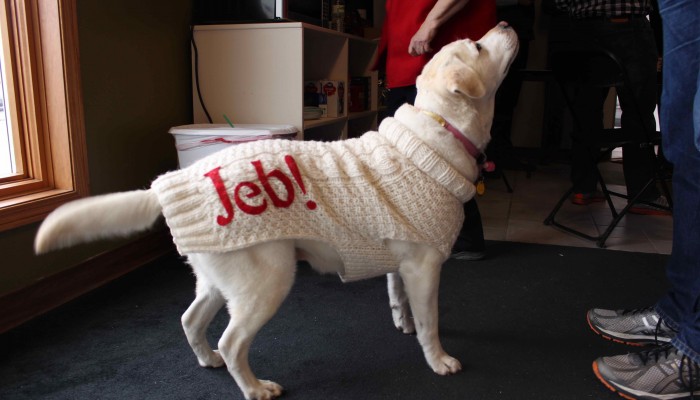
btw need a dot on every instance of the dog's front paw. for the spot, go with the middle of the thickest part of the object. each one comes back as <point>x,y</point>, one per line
<point>266,390</point>
<point>214,360</point>
<point>445,365</point>
<point>403,321</point>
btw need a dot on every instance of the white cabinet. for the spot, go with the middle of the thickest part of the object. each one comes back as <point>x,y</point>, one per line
<point>255,73</point>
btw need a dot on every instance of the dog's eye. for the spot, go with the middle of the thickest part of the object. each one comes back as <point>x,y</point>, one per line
<point>478,46</point>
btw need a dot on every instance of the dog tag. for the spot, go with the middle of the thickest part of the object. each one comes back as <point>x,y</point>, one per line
<point>480,187</point>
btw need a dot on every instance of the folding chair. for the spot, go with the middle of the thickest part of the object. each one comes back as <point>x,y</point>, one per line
<point>572,64</point>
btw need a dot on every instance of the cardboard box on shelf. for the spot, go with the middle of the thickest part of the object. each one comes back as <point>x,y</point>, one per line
<point>312,93</point>
<point>333,100</point>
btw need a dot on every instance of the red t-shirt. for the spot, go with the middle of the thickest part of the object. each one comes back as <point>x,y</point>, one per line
<point>402,20</point>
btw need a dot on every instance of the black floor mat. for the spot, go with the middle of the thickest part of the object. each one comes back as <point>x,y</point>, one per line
<point>515,320</point>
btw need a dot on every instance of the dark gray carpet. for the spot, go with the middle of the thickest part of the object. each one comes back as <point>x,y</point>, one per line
<point>515,320</point>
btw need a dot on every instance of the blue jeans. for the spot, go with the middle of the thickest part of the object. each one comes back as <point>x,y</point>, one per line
<point>680,127</point>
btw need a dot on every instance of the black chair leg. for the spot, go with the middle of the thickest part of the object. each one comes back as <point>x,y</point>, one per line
<point>550,218</point>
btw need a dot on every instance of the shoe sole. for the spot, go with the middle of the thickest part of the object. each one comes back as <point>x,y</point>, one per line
<point>585,202</point>
<point>468,256</point>
<point>628,342</point>
<point>648,211</point>
<point>626,393</point>
<point>609,385</point>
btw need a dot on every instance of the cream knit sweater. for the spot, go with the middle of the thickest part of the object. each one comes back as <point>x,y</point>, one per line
<point>353,194</point>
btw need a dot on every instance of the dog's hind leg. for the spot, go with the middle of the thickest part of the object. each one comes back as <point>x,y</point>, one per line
<point>420,270</point>
<point>398,301</point>
<point>254,282</point>
<point>197,318</point>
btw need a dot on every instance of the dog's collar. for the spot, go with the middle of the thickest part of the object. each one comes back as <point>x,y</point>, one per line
<point>468,145</point>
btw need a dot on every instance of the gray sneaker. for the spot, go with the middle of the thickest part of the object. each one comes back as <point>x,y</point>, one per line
<point>637,327</point>
<point>660,373</point>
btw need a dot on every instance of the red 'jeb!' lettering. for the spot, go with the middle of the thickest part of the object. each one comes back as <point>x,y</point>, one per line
<point>221,191</point>
<point>294,169</point>
<point>245,192</point>
<point>280,176</point>
<point>254,192</point>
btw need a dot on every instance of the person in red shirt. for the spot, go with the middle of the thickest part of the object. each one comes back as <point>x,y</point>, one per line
<point>412,32</point>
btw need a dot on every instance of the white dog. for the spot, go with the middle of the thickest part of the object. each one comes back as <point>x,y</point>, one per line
<point>389,202</point>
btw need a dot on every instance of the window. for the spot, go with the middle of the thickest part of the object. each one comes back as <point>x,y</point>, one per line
<point>7,157</point>
<point>42,143</point>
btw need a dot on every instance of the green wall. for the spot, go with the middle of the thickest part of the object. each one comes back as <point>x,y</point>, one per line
<point>135,66</point>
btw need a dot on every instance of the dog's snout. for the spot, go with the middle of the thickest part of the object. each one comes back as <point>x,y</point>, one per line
<point>504,25</point>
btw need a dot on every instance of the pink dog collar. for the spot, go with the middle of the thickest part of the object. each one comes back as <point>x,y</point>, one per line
<point>480,157</point>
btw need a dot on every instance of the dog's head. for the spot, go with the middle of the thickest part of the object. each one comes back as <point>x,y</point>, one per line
<point>461,80</point>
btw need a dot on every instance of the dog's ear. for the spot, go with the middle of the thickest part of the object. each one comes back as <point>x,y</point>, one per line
<point>464,80</point>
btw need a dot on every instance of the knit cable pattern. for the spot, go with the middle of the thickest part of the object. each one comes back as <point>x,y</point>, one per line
<point>353,194</point>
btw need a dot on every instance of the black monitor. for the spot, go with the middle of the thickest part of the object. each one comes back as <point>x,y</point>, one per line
<point>246,11</point>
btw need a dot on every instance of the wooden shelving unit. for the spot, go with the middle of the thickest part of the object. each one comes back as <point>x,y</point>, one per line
<point>255,74</point>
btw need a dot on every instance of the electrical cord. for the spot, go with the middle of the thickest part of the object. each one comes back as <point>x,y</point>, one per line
<point>196,73</point>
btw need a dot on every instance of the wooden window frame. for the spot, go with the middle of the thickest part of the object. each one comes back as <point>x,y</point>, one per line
<point>40,44</point>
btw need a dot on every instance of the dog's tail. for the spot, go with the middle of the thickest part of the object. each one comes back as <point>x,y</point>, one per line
<point>98,217</point>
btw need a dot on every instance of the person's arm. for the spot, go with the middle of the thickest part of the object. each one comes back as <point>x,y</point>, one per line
<point>441,12</point>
